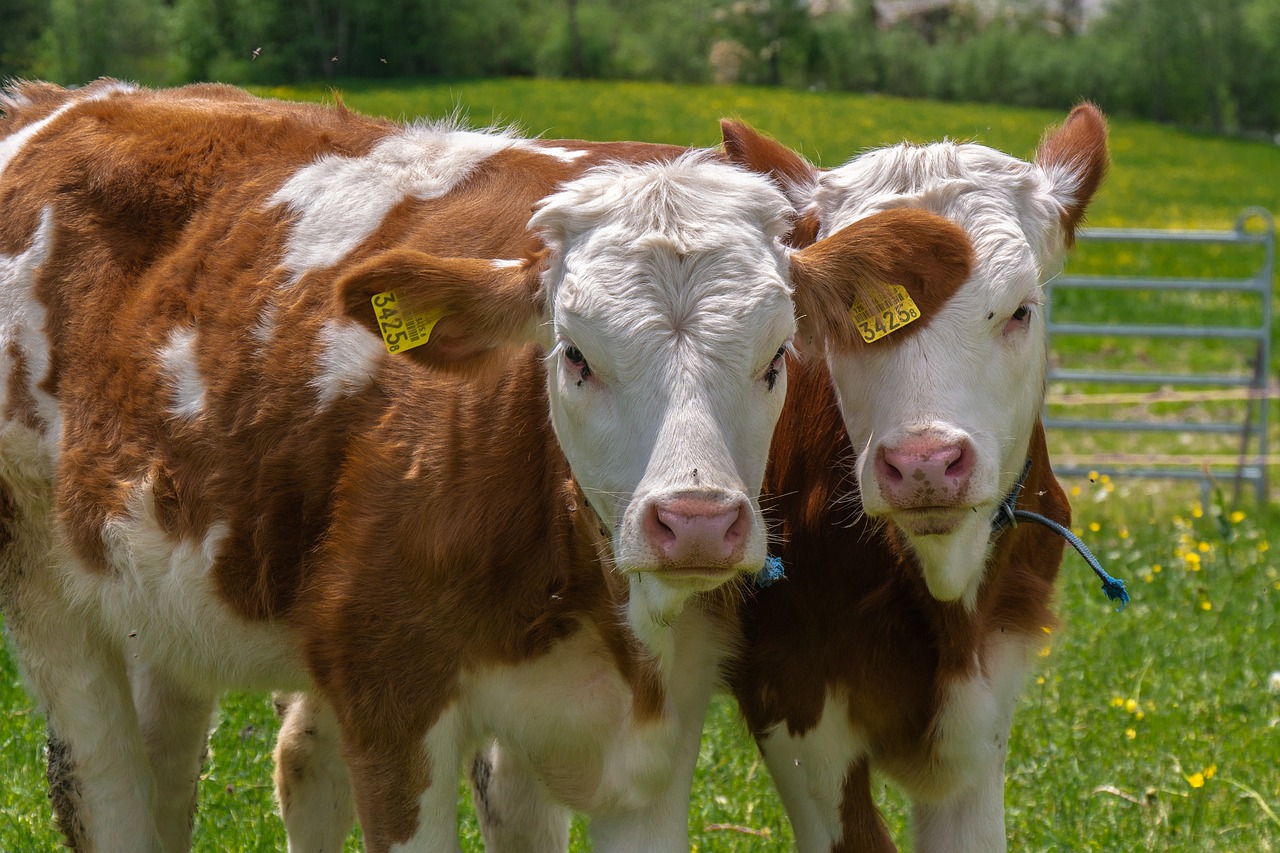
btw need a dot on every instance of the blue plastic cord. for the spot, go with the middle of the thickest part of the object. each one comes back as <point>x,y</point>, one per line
<point>1008,514</point>
<point>1113,587</point>
<point>771,573</point>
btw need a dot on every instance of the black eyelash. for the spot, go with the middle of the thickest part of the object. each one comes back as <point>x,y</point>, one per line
<point>771,375</point>
<point>575,357</point>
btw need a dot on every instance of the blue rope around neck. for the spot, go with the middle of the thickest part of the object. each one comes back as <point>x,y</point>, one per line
<point>771,573</point>
<point>1008,515</point>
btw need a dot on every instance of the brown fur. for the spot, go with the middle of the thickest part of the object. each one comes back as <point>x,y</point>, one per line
<point>1080,143</point>
<point>921,251</point>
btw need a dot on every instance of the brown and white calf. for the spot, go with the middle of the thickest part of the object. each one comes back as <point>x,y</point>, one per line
<point>214,474</point>
<point>900,638</point>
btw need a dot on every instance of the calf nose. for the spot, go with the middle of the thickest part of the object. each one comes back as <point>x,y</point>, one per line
<point>689,531</point>
<point>924,471</point>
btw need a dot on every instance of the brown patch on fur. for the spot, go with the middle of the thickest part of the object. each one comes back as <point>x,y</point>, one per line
<point>928,255</point>
<point>20,404</point>
<point>864,828</point>
<point>1080,145</point>
<point>855,616</point>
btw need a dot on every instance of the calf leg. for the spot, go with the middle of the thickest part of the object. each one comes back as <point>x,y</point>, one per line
<point>826,788</point>
<point>100,782</point>
<point>406,787</point>
<point>971,820</point>
<point>515,809</point>
<point>312,782</point>
<point>175,732</point>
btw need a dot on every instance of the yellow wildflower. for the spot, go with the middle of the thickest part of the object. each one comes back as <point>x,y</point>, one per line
<point>1236,517</point>
<point>1124,533</point>
<point>1075,491</point>
<point>1196,780</point>
<point>1197,511</point>
<point>1131,705</point>
<point>1204,547</point>
<point>1156,568</point>
<point>1130,734</point>
<point>1117,701</point>
<point>1094,526</point>
<point>1206,605</point>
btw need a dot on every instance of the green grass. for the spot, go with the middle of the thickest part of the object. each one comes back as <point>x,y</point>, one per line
<point>1087,770</point>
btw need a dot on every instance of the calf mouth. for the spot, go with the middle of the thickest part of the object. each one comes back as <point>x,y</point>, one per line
<point>930,520</point>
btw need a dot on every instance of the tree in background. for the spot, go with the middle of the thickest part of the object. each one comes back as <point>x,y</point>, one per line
<point>1213,64</point>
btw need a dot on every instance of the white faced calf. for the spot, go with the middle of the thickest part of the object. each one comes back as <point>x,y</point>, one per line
<point>215,475</point>
<point>899,641</point>
<point>942,418</point>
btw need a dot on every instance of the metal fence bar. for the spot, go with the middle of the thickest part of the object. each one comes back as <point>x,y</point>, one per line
<point>1253,429</point>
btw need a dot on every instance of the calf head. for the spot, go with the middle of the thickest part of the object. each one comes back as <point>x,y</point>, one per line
<point>664,303</point>
<point>942,410</point>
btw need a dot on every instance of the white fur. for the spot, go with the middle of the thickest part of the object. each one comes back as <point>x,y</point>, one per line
<point>22,323</point>
<point>671,280</point>
<point>349,360</point>
<point>311,777</point>
<point>809,771</point>
<point>959,804</point>
<point>564,154</point>
<point>179,362</point>
<point>963,375</point>
<point>337,202</point>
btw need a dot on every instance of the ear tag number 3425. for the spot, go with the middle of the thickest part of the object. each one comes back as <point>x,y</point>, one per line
<point>886,315</point>
<point>402,329</point>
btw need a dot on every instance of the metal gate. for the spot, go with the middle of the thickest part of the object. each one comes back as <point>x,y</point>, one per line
<point>1125,405</point>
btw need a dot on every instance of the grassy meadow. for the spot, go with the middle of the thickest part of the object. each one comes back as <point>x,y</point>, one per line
<point>1153,729</point>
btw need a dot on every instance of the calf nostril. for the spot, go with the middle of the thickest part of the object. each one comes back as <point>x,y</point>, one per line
<point>888,471</point>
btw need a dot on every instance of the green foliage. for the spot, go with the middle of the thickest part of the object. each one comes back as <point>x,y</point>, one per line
<point>1202,63</point>
<point>1201,769</point>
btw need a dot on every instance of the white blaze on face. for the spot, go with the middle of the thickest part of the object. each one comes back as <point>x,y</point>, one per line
<point>942,419</point>
<point>669,301</point>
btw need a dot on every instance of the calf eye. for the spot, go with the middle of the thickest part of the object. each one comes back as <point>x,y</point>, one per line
<point>1021,319</point>
<point>574,356</point>
<point>771,373</point>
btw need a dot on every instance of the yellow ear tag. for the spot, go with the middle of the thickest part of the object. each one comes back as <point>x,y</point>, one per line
<point>888,313</point>
<point>400,329</point>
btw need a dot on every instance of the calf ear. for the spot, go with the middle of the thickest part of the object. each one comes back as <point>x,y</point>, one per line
<point>928,255</point>
<point>480,307</point>
<point>796,176</point>
<point>1074,157</point>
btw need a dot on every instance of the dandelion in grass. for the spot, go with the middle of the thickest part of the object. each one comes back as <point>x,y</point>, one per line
<point>1197,779</point>
<point>1123,533</point>
<point>1130,733</point>
<point>1075,491</point>
<point>1206,605</point>
<point>1236,517</point>
<point>1193,561</point>
<point>1197,511</point>
<point>1094,527</point>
